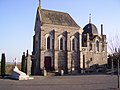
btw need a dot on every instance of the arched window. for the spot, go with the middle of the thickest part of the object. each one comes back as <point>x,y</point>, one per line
<point>61,43</point>
<point>73,44</point>
<point>97,46</point>
<point>48,42</point>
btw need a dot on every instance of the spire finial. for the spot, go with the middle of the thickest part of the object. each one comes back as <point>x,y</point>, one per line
<point>40,3</point>
<point>90,18</point>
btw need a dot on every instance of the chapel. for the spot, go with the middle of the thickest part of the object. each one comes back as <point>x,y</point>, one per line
<point>59,43</point>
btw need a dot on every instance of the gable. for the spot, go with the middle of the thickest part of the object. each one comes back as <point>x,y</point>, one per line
<point>97,37</point>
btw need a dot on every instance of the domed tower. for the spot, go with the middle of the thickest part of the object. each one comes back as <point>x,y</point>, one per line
<point>90,28</point>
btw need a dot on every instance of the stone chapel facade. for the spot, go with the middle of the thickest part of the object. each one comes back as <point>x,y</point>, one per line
<point>60,43</point>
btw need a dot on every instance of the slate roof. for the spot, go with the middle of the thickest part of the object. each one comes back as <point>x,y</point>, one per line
<point>90,28</point>
<point>57,18</point>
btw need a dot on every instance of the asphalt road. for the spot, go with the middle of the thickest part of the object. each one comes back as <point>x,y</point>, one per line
<point>80,82</point>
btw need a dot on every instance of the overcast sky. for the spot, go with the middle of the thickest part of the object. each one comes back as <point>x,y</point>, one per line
<point>17,19</point>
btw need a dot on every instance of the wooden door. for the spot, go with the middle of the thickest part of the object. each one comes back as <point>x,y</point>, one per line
<point>47,63</point>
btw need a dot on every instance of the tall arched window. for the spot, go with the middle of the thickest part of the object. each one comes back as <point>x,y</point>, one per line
<point>61,43</point>
<point>97,46</point>
<point>73,44</point>
<point>48,42</point>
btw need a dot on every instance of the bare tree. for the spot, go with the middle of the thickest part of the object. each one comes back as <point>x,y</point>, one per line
<point>114,47</point>
<point>114,44</point>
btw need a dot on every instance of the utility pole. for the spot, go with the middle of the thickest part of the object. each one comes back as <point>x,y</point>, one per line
<point>118,75</point>
<point>112,67</point>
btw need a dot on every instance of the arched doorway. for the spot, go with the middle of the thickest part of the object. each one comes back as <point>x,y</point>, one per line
<point>47,63</point>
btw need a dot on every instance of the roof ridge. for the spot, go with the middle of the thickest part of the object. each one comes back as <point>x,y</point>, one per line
<point>54,11</point>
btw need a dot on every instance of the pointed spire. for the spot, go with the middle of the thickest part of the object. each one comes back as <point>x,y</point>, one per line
<point>90,18</point>
<point>39,11</point>
<point>39,4</point>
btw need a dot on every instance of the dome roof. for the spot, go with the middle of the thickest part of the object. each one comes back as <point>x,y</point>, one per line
<point>91,29</point>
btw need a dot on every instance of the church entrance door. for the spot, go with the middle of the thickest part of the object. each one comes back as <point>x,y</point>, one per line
<point>47,63</point>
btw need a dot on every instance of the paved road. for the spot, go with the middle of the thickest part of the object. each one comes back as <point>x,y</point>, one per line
<point>81,82</point>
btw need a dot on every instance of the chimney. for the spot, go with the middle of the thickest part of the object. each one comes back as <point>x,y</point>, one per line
<point>101,29</point>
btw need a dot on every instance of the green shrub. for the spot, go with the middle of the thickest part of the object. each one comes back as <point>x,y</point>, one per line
<point>3,65</point>
<point>23,63</point>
